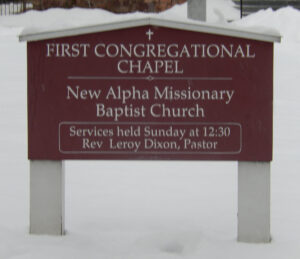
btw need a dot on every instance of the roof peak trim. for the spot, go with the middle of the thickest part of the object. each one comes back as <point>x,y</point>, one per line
<point>191,25</point>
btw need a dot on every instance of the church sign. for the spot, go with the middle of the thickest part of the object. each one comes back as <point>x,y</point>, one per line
<point>150,89</point>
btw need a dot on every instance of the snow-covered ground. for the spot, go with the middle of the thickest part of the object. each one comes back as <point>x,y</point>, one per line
<point>140,210</point>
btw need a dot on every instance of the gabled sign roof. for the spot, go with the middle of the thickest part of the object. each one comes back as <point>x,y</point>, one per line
<point>191,92</point>
<point>188,25</point>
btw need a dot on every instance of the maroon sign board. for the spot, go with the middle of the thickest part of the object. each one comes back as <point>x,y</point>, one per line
<point>150,92</point>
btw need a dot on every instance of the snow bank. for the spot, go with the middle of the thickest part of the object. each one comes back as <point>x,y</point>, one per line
<point>219,11</point>
<point>143,210</point>
<point>285,20</point>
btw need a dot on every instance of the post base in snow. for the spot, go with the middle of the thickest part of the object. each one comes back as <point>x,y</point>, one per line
<point>47,191</point>
<point>254,202</point>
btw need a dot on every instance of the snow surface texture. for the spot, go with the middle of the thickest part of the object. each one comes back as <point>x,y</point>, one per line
<point>141,210</point>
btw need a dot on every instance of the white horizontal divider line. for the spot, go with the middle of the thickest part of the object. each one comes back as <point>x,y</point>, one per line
<point>149,78</point>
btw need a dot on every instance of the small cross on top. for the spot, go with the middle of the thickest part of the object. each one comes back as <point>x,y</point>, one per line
<point>149,33</point>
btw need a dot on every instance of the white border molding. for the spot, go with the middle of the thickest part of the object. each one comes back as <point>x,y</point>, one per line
<point>191,25</point>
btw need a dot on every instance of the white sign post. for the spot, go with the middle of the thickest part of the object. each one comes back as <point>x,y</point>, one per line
<point>47,195</point>
<point>254,202</point>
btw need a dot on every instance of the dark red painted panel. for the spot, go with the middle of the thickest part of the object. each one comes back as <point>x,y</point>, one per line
<point>150,93</point>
